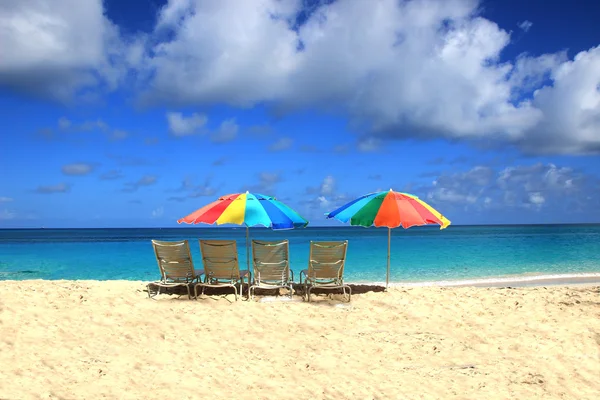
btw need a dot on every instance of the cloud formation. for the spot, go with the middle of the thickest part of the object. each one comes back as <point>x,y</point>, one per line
<point>77,169</point>
<point>146,180</point>
<point>266,183</point>
<point>180,125</point>
<point>426,69</point>
<point>60,50</point>
<point>525,25</point>
<point>281,144</point>
<point>533,187</point>
<point>226,132</point>
<point>50,189</point>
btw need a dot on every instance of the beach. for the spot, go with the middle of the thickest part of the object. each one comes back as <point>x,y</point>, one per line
<point>106,339</point>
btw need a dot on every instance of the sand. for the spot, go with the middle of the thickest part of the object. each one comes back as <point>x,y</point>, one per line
<point>89,340</point>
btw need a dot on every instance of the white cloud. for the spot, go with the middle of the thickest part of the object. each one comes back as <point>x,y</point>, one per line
<point>425,69</point>
<point>368,145</point>
<point>58,47</point>
<point>77,169</point>
<point>397,69</point>
<point>523,186</point>
<point>266,184</point>
<point>179,125</point>
<point>158,212</point>
<point>525,25</point>
<point>6,199</point>
<point>227,131</point>
<point>328,185</point>
<point>281,144</point>
<point>146,180</point>
<point>536,199</point>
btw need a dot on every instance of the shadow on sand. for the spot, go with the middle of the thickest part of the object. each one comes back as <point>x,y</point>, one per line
<point>298,290</point>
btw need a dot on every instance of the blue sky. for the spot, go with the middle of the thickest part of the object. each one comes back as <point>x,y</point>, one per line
<point>134,114</point>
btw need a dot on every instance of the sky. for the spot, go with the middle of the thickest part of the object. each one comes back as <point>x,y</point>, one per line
<point>137,113</point>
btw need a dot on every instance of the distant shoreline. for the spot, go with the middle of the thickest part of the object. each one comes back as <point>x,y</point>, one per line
<point>336,226</point>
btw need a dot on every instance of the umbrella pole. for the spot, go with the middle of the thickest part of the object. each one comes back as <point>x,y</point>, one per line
<point>387,278</point>
<point>247,249</point>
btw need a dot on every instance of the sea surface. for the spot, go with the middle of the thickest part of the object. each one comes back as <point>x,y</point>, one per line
<point>418,254</point>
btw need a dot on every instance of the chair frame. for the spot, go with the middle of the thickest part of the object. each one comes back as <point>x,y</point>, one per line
<point>268,273</point>
<point>176,266</point>
<point>326,273</point>
<point>215,252</point>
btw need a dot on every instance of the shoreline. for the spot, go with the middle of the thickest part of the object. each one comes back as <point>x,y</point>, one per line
<point>591,278</point>
<point>582,279</point>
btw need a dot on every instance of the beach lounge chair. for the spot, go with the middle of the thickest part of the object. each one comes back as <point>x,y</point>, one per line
<point>176,266</point>
<point>221,266</point>
<point>271,266</point>
<point>326,267</point>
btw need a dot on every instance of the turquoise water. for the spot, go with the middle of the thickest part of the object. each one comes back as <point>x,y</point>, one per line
<point>418,254</point>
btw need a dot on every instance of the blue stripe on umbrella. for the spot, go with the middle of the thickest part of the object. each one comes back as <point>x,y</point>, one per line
<point>345,212</point>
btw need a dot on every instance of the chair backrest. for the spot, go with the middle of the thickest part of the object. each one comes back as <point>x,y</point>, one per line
<point>271,261</point>
<point>327,260</point>
<point>174,260</point>
<point>220,259</point>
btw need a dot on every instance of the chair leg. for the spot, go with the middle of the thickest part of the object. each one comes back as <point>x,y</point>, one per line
<point>235,291</point>
<point>308,293</point>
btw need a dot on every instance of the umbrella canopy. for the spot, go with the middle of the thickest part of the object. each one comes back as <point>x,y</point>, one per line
<point>247,209</point>
<point>250,209</point>
<point>390,209</point>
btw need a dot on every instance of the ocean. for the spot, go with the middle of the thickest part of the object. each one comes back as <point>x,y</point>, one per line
<point>419,254</point>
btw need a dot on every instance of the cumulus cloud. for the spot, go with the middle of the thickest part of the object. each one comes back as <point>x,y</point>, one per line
<point>77,169</point>
<point>226,132</point>
<point>190,188</point>
<point>158,212</point>
<point>68,129</point>
<point>369,145</point>
<point>266,183</point>
<point>281,144</point>
<point>180,125</point>
<point>538,186</point>
<point>324,197</point>
<point>525,25</point>
<point>146,180</point>
<point>58,49</point>
<point>50,189</point>
<point>425,69</point>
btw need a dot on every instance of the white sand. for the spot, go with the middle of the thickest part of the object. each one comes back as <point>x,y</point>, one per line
<point>89,340</point>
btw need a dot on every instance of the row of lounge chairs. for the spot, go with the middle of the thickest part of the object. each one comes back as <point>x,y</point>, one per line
<point>270,267</point>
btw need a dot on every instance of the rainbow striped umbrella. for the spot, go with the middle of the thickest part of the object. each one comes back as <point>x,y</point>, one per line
<point>248,209</point>
<point>390,209</point>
